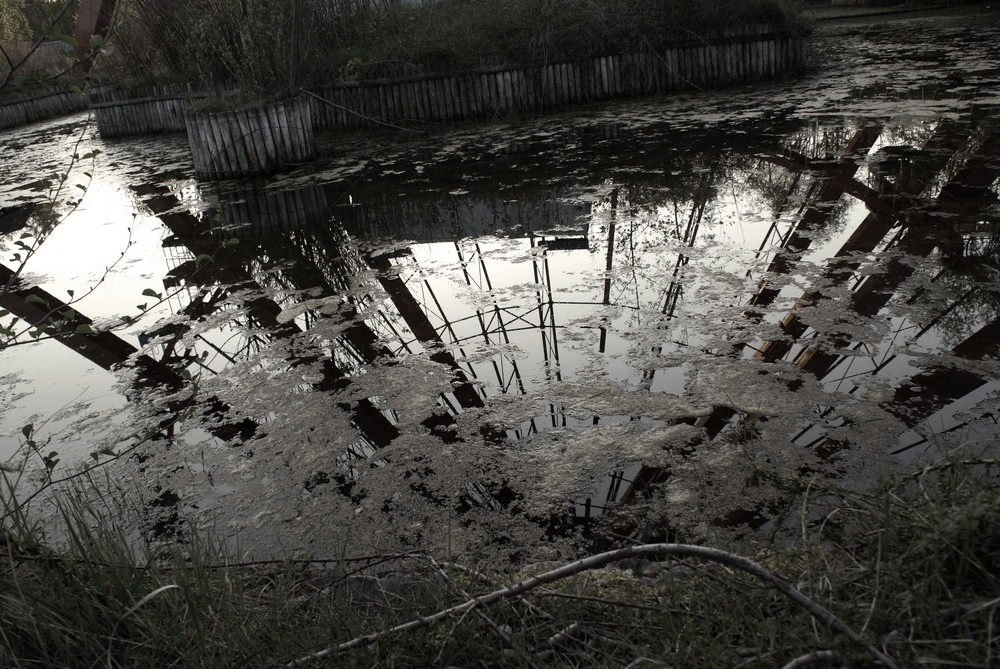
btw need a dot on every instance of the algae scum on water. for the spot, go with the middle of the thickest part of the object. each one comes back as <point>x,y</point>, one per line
<point>520,340</point>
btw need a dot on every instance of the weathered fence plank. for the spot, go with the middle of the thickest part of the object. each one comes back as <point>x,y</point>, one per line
<point>33,105</point>
<point>739,56</point>
<point>252,141</point>
<point>269,138</point>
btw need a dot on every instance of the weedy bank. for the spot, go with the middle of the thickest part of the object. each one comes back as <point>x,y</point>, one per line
<point>904,574</point>
<point>266,49</point>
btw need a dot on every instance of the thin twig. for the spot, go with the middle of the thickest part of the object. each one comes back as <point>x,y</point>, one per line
<point>825,656</point>
<point>562,635</point>
<point>639,661</point>
<point>360,115</point>
<point>497,629</point>
<point>534,608</point>
<point>600,560</point>
<point>610,602</point>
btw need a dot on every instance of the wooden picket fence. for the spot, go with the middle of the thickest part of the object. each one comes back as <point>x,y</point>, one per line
<point>252,141</point>
<point>143,110</point>
<point>750,55</point>
<point>273,137</point>
<point>38,104</point>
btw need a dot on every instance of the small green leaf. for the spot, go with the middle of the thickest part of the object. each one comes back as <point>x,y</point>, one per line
<point>149,292</point>
<point>51,460</point>
<point>66,39</point>
<point>140,307</point>
<point>84,328</point>
<point>27,430</point>
<point>34,299</point>
<point>202,259</point>
<point>70,293</point>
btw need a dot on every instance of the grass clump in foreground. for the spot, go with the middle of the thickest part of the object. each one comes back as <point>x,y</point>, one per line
<point>908,572</point>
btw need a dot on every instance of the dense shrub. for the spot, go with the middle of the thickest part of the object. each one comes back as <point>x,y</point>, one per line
<point>266,48</point>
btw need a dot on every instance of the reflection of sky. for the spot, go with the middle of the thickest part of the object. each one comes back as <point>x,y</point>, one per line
<point>84,251</point>
<point>71,402</point>
<point>684,263</point>
<point>552,301</point>
<point>93,238</point>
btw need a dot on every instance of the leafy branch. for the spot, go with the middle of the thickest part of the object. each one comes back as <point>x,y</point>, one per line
<point>55,13</point>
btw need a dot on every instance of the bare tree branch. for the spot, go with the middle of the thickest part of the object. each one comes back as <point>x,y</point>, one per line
<point>602,559</point>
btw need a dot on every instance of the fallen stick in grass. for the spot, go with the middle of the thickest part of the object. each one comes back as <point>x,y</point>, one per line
<point>602,559</point>
<point>825,656</point>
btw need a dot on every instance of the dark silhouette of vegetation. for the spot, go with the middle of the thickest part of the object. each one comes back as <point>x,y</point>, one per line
<point>268,49</point>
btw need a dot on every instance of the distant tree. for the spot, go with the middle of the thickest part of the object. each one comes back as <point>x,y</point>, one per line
<point>39,13</point>
<point>13,24</point>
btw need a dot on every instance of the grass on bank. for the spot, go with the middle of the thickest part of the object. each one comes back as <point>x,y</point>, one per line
<point>911,566</point>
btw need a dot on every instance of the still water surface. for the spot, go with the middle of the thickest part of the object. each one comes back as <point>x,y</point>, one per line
<point>512,337</point>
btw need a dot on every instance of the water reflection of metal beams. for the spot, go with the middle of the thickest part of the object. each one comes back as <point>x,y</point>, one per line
<point>494,324</point>
<point>104,349</point>
<point>609,265</point>
<point>546,309</point>
<point>846,183</point>
<point>421,327</point>
<point>375,427</point>
<point>929,391</point>
<point>109,351</point>
<point>832,187</point>
<point>872,293</point>
<point>675,289</point>
<point>961,200</point>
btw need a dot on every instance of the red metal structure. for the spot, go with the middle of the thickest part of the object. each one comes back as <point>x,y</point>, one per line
<point>94,19</point>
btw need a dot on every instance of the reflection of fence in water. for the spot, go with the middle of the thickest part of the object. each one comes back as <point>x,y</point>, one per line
<point>253,210</point>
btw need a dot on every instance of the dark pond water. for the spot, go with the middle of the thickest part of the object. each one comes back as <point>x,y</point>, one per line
<point>522,338</point>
